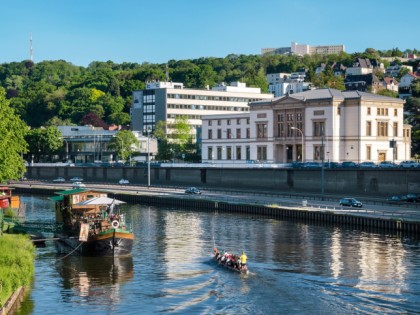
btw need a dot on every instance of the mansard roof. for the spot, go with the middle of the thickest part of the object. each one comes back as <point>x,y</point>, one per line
<point>329,94</point>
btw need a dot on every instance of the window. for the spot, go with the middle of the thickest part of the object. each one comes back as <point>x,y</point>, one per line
<point>280,117</point>
<point>229,153</point>
<point>338,110</point>
<point>289,117</point>
<point>395,129</point>
<point>238,153</point>
<point>210,122</point>
<point>228,121</point>
<point>395,112</point>
<point>219,153</point>
<point>317,152</point>
<point>219,133</point>
<point>210,153</point>
<point>299,117</point>
<point>229,133</point>
<point>248,152</point>
<point>318,128</point>
<point>280,130</point>
<point>368,152</point>
<point>368,111</point>
<point>238,133</point>
<point>247,121</point>
<point>248,133</point>
<point>238,121</point>
<point>210,135</point>
<point>382,129</point>
<point>262,153</point>
<point>290,131</point>
<point>261,130</point>
<point>219,122</point>
<point>368,128</point>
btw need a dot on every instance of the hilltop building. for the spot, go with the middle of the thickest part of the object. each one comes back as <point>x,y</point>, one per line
<point>303,49</point>
<point>349,126</point>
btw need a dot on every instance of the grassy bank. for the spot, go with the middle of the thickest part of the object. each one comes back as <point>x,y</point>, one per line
<point>16,264</point>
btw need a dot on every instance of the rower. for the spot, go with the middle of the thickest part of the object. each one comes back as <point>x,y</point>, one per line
<point>243,260</point>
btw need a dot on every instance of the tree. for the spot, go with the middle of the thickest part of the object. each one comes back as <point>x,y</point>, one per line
<point>12,144</point>
<point>415,88</point>
<point>124,144</point>
<point>181,132</point>
<point>44,142</point>
<point>412,108</point>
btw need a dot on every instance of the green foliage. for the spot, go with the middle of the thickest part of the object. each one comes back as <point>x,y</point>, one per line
<point>12,144</point>
<point>389,93</point>
<point>16,264</point>
<point>124,143</point>
<point>415,88</point>
<point>412,108</point>
<point>44,141</point>
<point>181,131</point>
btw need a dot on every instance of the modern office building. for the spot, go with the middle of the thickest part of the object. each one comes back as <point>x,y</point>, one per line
<point>349,126</point>
<point>303,49</point>
<point>88,144</point>
<point>165,101</point>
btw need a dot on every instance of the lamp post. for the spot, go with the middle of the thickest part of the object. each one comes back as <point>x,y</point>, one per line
<point>294,128</point>
<point>148,159</point>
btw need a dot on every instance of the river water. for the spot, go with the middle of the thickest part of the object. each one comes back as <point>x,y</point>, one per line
<point>296,268</point>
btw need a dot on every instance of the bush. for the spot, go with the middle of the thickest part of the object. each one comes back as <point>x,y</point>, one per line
<point>16,264</point>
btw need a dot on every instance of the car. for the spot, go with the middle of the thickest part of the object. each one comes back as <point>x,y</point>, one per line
<point>350,202</point>
<point>349,164</point>
<point>312,165</point>
<point>396,198</point>
<point>387,164</point>
<point>78,185</point>
<point>193,191</point>
<point>123,181</point>
<point>59,180</point>
<point>368,164</point>
<point>76,179</point>
<point>332,165</point>
<point>413,197</point>
<point>409,164</point>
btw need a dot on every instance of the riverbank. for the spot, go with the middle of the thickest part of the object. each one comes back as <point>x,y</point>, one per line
<point>391,219</point>
<point>16,269</point>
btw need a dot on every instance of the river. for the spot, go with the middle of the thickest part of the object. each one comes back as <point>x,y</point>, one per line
<point>296,268</point>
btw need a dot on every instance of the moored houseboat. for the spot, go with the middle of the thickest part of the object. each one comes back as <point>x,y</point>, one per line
<point>92,224</point>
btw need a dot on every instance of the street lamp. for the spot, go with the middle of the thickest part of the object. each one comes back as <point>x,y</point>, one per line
<point>148,158</point>
<point>302,140</point>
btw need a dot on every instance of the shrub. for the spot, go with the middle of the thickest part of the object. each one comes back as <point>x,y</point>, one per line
<point>16,264</point>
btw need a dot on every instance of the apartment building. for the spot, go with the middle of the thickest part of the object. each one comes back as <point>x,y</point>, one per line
<point>287,83</point>
<point>165,101</point>
<point>348,126</point>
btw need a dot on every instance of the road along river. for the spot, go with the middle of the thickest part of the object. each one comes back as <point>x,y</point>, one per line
<point>296,268</point>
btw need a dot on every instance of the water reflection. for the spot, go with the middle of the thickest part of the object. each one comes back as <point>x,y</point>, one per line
<point>94,278</point>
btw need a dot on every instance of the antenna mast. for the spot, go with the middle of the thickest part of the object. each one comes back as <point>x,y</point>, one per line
<point>30,50</point>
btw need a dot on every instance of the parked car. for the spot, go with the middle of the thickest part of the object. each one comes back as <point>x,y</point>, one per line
<point>78,185</point>
<point>76,179</point>
<point>297,164</point>
<point>123,181</point>
<point>349,164</point>
<point>193,191</point>
<point>332,165</point>
<point>59,180</point>
<point>368,164</point>
<point>312,165</point>
<point>409,164</point>
<point>396,198</point>
<point>350,202</point>
<point>413,197</point>
<point>387,164</point>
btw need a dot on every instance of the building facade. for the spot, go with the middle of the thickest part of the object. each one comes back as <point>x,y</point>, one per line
<point>87,144</point>
<point>346,126</point>
<point>303,49</point>
<point>165,101</point>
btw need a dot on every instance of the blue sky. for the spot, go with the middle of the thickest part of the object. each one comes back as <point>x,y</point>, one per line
<point>155,31</point>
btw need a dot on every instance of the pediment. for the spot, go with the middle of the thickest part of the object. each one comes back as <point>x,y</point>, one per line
<point>287,101</point>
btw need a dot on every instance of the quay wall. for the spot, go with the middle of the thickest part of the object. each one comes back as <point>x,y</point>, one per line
<point>372,182</point>
<point>302,215</point>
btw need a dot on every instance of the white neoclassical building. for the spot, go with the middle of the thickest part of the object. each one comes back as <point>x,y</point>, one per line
<point>350,126</point>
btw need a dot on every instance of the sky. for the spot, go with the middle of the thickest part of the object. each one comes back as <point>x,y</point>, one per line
<point>156,31</point>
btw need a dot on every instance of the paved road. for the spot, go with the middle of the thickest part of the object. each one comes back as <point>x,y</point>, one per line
<point>371,208</point>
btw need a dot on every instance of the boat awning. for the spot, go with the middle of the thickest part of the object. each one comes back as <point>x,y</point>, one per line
<point>56,198</point>
<point>99,201</point>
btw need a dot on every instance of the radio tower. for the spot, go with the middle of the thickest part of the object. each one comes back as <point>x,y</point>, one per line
<point>30,50</point>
